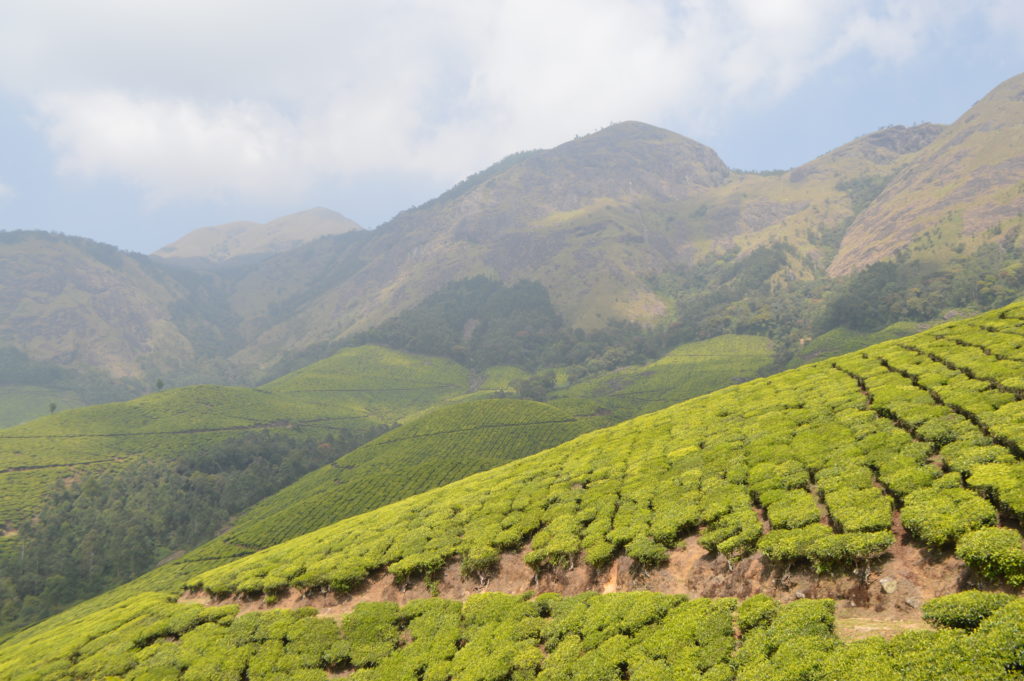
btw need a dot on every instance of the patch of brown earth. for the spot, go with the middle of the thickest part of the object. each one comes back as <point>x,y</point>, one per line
<point>853,624</point>
<point>892,591</point>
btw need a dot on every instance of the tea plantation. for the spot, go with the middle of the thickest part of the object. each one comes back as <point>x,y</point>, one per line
<point>927,426</point>
<point>359,390</point>
<point>821,466</point>
<point>491,637</point>
<point>444,445</point>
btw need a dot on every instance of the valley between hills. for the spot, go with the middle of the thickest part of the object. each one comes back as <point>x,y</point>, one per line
<point>611,410</point>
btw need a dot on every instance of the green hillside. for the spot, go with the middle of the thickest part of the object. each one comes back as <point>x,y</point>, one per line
<point>359,390</point>
<point>689,370</point>
<point>839,467</point>
<point>638,636</point>
<point>446,444</point>
<point>805,467</point>
<point>842,340</point>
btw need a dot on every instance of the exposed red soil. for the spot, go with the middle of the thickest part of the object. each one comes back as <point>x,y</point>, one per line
<point>885,601</point>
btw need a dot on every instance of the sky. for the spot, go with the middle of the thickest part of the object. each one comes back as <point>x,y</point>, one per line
<point>133,122</point>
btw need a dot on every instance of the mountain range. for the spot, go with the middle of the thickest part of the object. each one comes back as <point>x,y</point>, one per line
<point>604,222</point>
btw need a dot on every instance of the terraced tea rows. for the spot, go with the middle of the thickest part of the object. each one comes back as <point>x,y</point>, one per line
<point>638,635</point>
<point>359,389</point>
<point>805,466</point>
<point>444,445</point>
<point>689,370</point>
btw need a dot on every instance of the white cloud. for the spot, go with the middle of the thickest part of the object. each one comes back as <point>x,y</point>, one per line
<point>5,191</point>
<point>196,98</point>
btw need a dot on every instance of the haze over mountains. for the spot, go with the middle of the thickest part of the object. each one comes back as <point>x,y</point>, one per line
<point>255,240</point>
<point>607,223</point>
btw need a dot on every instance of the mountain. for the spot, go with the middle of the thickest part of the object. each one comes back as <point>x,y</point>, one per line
<point>251,241</point>
<point>604,222</point>
<point>963,190</point>
<point>631,224</point>
<point>72,302</point>
<point>563,217</point>
<point>864,493</point>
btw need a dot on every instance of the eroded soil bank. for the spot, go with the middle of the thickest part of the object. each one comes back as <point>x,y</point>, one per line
<point>886,601</point>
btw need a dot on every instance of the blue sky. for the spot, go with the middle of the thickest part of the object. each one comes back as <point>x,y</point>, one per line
<point>135,121</point>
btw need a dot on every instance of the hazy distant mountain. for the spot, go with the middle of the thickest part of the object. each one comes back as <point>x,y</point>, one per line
<point>597,220</point>
<point>257,240</point>
<point>82,304</point>
<point>964,189</point>
<point>614,225</point>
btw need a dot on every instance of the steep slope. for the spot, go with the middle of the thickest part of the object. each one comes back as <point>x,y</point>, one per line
<point>870,468</point>
<point>254,240</point>
<point>446,444</point>
<point>443,445</point>
<point>358,389</point>
<point>806,467</point>
<point>621,224</point>
<point>962,190</point>
<point>77,303</point>
<point>560,216</point>
<point>602,222</point>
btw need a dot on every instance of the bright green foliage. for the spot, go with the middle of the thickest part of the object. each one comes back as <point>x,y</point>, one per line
<point>940,515</point>
<point>790,508</point>
<point>1002,481</point>
<point>639,487</point>
<point>964,610</point>
<point>825,549</point>
<point>446,444</point>
<point>359,389</point>
<point>688,370</point>
<point>493,636</point>
<point>756,611</point>
<point>995,552</point>
<point>859,510</point>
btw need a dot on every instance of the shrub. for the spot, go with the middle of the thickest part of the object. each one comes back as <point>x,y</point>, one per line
<point>939,516</point>
<point>837,550</point>
<point>756,611</point>
<point>964,610</point>
<point>791,508</point>
<point>858,510</point>
<point>995,552</point>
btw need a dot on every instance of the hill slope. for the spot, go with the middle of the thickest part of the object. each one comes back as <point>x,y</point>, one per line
<point>629,223</point>
<point>77,303</point>
<point>880,461</point>
<point>807,466</point>
<point>359,389</point>
<point>961,191</point>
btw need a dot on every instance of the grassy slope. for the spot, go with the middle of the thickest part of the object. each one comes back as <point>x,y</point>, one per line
<point>633,487</point>
<point>710,463</point>
<point>21,403</point>
<point>689,370</point>
<point>358,388</point>
<point>444,445</point>
<point>841,340</point>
